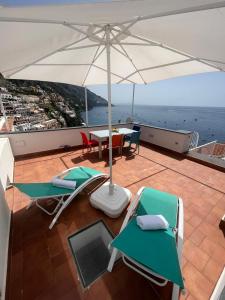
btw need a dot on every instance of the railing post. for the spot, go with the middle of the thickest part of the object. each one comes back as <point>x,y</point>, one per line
<point>86,106</point>
<point>3,113</point>
<point>132,108</point>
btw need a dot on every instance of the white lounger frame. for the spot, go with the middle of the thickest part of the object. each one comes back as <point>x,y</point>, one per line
<point>147,273</point>
<point>62,204</point>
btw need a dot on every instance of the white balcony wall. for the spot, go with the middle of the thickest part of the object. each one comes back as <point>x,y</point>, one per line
<point>177,141</point>
<point>6,176</point>
<point>33,142</point>
<point>4,240</point>
<point>6,162</point>
<point>38,141</point>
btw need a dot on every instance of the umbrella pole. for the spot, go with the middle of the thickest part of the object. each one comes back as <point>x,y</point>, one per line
<point>107,29</point>
<point>111,198</point>
<point>132,109</point>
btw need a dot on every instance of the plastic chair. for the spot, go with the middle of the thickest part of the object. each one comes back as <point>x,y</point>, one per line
<point>135,139</point>
<point>117,142</point>
<point>88,143</point>
<point>127,137</point>
<point>136,128</point>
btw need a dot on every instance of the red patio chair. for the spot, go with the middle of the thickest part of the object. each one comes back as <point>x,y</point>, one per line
<point>88,144</point>
<point>117,142</point>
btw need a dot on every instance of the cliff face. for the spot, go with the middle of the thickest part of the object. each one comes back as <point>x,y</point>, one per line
<point>2,81</point>
<point>48,100</point>
<point>72,94</point>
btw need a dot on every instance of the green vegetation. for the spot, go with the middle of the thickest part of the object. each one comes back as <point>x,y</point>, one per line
<point>60,101</point>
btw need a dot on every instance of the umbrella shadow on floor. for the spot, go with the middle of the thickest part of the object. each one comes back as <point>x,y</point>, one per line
<point>115,158</point>
<point>222,225</point>
<point>113,162</point>
<point>90,156</point>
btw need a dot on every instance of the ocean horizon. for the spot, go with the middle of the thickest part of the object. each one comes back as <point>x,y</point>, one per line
<point>208,121</point>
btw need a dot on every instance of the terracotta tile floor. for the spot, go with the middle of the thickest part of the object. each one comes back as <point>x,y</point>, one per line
<point>41,265</point>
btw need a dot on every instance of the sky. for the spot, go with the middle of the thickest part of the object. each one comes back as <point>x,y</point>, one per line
<point>206,89</point>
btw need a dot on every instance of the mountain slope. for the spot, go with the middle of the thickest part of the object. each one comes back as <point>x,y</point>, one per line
<point>75,95</point>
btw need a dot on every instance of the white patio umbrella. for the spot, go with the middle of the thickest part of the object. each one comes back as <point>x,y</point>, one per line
<point>137,41</point>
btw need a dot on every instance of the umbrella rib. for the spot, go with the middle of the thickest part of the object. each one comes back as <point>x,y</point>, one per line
<point>58,64</point>
<point>118,50</point>
<point>99,54</point>
<point>77,65</point>
<point>213,60</point>
<point>128,57</point>
<point>178,52</point>
<point>100,68</point>
<point>84,32</point>
<point>49,54</point>
<point>43,57</point>
<point>125,29</point>
<point>43,21</point>
<point>137,44</point>
<point>79,47</point>
<point>153,43</point>
<point>124,78</point>
<point>190,56</point>
<point>220,4</point>
<point>78,41</point>
<point>157,67</point>
<point>93,60</point>
<point>203,7</point>
<point>26,20</point>
<point>75,28</point>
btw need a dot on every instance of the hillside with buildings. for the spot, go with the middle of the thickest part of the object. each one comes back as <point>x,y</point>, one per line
<point>38,105</point>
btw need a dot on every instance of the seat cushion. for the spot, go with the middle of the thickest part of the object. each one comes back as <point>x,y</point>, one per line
<point>42,190</point>
<point>155,250</point>
<point>81,174</point>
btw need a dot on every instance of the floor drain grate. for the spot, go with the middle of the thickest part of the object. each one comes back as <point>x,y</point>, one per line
<point>90,250</point>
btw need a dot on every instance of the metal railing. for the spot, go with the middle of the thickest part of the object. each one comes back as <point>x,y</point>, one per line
<point>194,140</point>
<point>213,153</point>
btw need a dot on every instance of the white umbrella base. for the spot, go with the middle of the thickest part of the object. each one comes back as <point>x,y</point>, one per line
<point>111,204</point>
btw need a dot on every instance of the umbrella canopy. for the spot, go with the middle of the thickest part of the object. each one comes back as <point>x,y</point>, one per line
<point>137,41</point>
<point>150,40</point>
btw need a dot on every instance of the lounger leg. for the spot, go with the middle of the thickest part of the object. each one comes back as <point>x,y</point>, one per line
<point>56,216</point>
<point>175,293</point>
<point>72,196</point>
<point>112,260</point>
<point>129,213</point>
<point>50,213</point>
<point>63,206</point>
<point>176,289</point>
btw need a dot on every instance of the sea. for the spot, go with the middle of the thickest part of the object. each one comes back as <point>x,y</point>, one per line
<point>209,122</point>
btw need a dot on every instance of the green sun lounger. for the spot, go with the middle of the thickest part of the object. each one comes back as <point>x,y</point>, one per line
<point>46,190</point>
<point>149,252</point>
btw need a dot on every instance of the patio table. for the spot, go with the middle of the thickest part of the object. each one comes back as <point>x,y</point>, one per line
<point>101,135</point>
